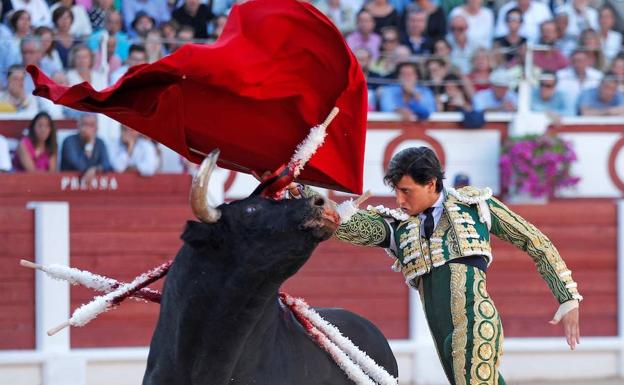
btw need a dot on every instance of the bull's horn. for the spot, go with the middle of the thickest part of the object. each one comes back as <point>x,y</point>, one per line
<point>199,190</point>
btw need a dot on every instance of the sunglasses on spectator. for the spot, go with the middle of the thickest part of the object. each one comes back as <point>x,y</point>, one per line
<point>458,29</point>
<point>547,85</point>
<point>514,18</point>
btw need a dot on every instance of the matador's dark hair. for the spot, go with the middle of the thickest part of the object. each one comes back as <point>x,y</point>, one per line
<point>421,163</point>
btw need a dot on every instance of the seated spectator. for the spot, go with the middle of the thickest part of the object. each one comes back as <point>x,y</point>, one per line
<point>414,36</point>
<point>37,9</point>
<point>553,59</point>
<point>546,98</point>
<point>617,69</point>
<point>156,9</point>
<point>532,14</point>
<point>480,22</point>
<point>410,100</point>
<point>5,156</point>
<point>65,40</point>
<point>196,15</point>
<point>82,62</point>
<point>461,48</point>
<point>185,35</point>
<point>341,13</point>
<point>364,35</point>
<point>19,21</point>
<point>15,99</point>
<point>610,39</point>
<point>32,54</point>
<point>436,18</point>
<point>37,151</point>
<point>506,47</point>
<point>81,25</point>
<point>386,64</point>
<point>57,111</point>
<point>442,49</point>
<point>50,57</point>
<point>605,100</point>
<point>566,43</point>
<point>479,76</point>
<point>579,76</point>
<point>137,55</point>
<point>455,97</point>
<point>580,16</point>
<point>141,25</point>
<point>590,43</point>
<point>373,79</point>
<point>384,13</point>
<point>97,13</point>
<point>169,33</point>
<point>113,61</point>
<point>154,47</point>
<point>437,70</point>
<point>133,152</point>
<point>84,152</point>
<point>498,98</point>
<point>218,24</point>
<point>113,27</point>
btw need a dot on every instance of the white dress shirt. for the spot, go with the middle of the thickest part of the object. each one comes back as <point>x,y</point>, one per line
<point>144,157</point>
<point>37,9</point>
<point>438,209</point>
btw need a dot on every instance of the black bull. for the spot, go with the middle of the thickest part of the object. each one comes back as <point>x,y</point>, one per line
<point>221,321</point>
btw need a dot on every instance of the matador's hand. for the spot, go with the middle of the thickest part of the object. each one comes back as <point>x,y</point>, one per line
<point>570,327</point>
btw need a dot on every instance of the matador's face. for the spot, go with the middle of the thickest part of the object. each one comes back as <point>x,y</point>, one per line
<point>414,198</point>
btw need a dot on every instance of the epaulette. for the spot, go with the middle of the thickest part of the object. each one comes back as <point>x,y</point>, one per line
<point>397,214</point>
<point>470,195</point>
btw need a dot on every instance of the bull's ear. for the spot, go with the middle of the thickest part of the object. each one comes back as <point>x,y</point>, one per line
<point>201,235</point>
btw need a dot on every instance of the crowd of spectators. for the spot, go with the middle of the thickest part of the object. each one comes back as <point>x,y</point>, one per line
<point>419,57</point>
<point>471,57</point>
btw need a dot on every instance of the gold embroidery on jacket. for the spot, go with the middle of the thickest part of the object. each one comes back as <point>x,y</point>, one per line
<point>484,362</point>
<point>364,228</point>
<point>527,237</point>
<point>460,321</point>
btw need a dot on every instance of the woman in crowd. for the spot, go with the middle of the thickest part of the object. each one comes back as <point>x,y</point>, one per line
<point>384,14</point>
<point>479,76</point>
<point>610,40</point>
<point>455,97</point>
<point>590,42</point>
<point>49,53</point>
<point>617,69</point>
<point>81,25</point>
<point>63,18</point>
<point>38,150</point>
<point>82,68</point>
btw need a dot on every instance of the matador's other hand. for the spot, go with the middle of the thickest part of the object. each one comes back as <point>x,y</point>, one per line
<point>571,329</point>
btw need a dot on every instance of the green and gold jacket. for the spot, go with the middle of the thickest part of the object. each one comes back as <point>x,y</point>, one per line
<point>469,216</point>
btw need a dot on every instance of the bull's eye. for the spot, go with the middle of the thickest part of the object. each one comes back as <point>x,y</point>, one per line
<point>250,209</point>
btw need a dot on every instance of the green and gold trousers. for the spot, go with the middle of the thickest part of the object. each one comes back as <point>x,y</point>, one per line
<point>464,323</point>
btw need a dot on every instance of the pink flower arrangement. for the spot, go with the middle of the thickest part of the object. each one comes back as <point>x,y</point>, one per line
<point>538,165</point>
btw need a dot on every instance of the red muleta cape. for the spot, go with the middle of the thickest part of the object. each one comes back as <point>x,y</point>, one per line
<point>278,69</point>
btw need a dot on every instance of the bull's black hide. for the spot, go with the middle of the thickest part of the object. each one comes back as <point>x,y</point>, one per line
<point>220,320</point>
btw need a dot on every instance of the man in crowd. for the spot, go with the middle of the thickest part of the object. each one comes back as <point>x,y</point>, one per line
<point>605,100</point>
<point>133,152</point>
<point>15,99</point>
<point>546,98</point>
<point>579,76</point>
<point>499,97</point>
<point>84,151</point>
<point>408,99</point>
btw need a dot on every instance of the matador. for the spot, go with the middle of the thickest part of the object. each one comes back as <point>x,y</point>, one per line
<point>440,241</point>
